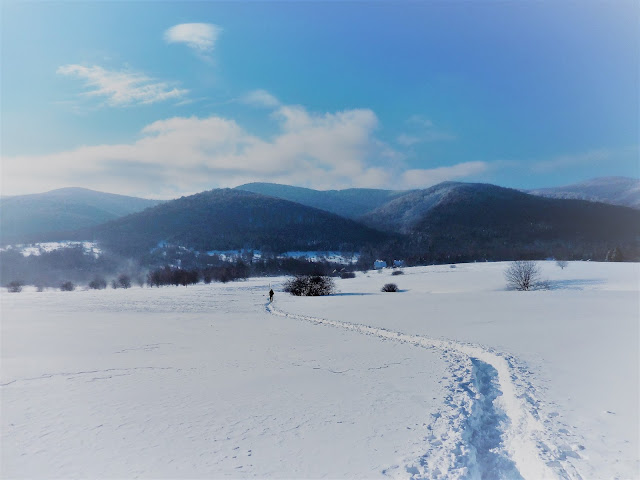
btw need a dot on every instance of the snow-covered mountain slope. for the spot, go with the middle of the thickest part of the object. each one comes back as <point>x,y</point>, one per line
<point>453,377</point>
<point>614,190</point>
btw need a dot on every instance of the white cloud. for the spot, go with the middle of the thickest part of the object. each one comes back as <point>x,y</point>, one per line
<point>422,178</point>
<point>183,155</point>
<point>201,37</point>
<point>260,98</point>
<point>122,88</point>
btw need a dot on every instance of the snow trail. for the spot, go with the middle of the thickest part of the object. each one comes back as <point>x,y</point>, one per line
<point>491,429</point>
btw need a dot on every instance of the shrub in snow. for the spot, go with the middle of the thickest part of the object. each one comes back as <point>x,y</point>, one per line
<point>15,286</point>
<point>98,283</point>
<point>615,255</point>
<point>562,264</point>
<point>309,285</point>
<point>452,266</point>
<point>348,275</point>
<point>389,287</point>
<point>124,281</point>
<point>67,287</point>
<point>397,272</point>
<point>524,275</point>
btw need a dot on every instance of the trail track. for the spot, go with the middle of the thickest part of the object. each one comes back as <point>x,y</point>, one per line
<point>489,427</point>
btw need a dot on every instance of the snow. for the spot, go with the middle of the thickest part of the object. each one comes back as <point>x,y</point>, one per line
<point>312,256</point>
<point>319,256</point>
<point>453,377</point>
<point>46,247</point>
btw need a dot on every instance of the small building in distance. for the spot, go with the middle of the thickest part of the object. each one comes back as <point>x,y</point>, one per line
<point>379,264</point>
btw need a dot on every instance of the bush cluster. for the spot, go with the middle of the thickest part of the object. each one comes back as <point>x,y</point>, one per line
<point>225,273</point>
<point>98,283</point>
<point>15,286</point>
<point>172,276</point>
<point>310,285</point>
<point>348,275</point>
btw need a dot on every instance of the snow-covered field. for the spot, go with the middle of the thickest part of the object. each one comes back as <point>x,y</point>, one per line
<point>453,377</point>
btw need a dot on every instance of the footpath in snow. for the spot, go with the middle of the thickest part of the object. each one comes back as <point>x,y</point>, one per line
<point>452,377</point>
<point>490,428</point>
<point>544,384</point>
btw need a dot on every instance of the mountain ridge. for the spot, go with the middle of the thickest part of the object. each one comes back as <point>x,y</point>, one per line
<point>349,203</point>
<point>63,209</point>
<point>623,191</point>
<point>223,219</point>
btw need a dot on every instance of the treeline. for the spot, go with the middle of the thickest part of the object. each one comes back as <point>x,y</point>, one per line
<point>169,266</point>
<point>73,264</point>
<point>179,266</point>
<point>239,269</point>
<point>436,249</point>
<point>179,276</point>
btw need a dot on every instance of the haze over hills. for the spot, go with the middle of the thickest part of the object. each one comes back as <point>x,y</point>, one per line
<point>231,219</point>
<point>62,210</point>
<point>350,203</point>
<point>623,191</point>
<point>486,221</point>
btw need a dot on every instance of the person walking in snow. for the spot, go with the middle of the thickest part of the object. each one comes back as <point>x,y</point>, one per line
<point>271,295</point>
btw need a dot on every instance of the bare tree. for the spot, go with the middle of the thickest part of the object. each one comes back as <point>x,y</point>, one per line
<point>562,264</point>
<point>15,286</point>
<point>98,283</point>
<point>522,275</point>
<point>124,281</point>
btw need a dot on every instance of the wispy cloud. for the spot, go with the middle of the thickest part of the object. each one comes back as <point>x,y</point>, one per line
<point>200,37</point>
<point>422,130</point>
<point>122,88</point>
<point>420,121</point>
<point>407,140</point>
<point>260,98</point>
<point>591,157</point>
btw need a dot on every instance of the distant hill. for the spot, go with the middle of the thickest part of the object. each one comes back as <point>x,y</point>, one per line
<point>614,190</point>
<point>230,219</point>
<point>24,216</point>
<point>349,203</point>
<point>486,221</point>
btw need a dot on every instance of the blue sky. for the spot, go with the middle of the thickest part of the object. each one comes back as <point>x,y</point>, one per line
<point>161,99</point>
